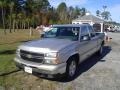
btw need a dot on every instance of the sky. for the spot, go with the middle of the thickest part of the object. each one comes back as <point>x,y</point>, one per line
<point>113,6</point>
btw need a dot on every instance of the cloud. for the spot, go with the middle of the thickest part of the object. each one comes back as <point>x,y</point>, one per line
<point>114,10</point>
<point>55,3</point>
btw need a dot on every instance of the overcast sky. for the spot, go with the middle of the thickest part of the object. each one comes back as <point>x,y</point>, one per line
<point>92,5</point>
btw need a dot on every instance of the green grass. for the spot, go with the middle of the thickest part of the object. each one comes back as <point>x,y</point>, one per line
<point>7,54</point>
<point>8,46</point>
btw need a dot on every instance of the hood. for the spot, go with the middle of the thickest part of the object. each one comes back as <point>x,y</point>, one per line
<point>47,44</point>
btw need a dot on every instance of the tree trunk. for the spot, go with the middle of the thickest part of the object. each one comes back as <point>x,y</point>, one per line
<point>10,20</point>
<point>31,31</point>
<point>14,25</point>
<point>3,19</point>
<point>24,26</point>
<point>10,30</point>
<point>21,24</point>
<point>28,25</point>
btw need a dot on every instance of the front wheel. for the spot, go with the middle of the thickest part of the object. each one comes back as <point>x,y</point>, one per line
<point>71,68</point>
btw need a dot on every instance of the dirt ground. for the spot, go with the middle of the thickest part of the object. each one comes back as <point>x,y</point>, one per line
<point>96,73</point>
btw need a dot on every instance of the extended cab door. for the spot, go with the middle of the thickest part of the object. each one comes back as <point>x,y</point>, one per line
<point>93,40</point>
<point>84,46</point>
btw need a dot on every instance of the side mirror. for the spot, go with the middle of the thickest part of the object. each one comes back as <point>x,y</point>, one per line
<point>85,38</point>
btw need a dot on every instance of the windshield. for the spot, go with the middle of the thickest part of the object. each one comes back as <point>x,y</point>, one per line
<point>71,33</point>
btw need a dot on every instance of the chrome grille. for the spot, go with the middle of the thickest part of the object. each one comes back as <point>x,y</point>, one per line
<point>30,56</point>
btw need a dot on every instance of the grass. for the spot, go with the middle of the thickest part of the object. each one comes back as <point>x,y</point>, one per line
<point>8,45</point>
<point>17,37</point>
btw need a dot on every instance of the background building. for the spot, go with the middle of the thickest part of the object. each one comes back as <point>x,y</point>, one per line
<point>97,23</point>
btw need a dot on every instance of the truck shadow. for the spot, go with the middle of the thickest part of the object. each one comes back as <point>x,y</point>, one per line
<point>7,52</point>
<point>89,63</point>
<point>10,72</point>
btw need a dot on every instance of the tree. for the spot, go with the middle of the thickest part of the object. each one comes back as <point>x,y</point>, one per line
<point>98,13</point>
<point>62,10</point>
<point>53,16</point>
<point>28,22</point>
<point>29,7</point>
<point>104,8</point>
<point>20,18</point>
<point>77,11</point>
<point>3,4</point>
<point>21,14</point>
<point>71,13</point>
<point>14,21</point>
<point>106,15</point>
<point>11,5</point>
<point>39,8</point>
<point>83,11</point>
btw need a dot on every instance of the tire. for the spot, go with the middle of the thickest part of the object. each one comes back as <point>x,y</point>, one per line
<point>100,51</point>
<point>71,68</point>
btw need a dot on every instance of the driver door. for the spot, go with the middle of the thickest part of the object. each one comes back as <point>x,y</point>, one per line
<point>84,43</point>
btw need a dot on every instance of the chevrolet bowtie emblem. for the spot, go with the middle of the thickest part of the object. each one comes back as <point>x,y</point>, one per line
<point>29,56</point>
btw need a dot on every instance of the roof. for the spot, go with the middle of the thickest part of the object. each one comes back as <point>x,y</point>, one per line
<point>69,25</point>
<point>89,18</point>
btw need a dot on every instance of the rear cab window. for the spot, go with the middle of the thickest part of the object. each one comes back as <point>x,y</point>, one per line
<point>91,31</point>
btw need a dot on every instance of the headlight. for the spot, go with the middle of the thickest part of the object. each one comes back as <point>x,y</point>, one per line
<point>51,55</point>
<point>52,58</point>
<point>52,61</point>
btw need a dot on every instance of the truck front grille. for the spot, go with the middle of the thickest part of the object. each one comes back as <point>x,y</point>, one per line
<point>30,56</point>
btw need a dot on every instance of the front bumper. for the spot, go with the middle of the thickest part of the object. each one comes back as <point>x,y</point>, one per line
<point>41,68</point>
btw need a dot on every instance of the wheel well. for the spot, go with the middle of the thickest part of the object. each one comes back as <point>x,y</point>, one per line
<point>76,56</point>
<point>103,43</point>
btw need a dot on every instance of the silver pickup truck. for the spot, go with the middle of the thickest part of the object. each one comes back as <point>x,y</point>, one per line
<point>60,50</point>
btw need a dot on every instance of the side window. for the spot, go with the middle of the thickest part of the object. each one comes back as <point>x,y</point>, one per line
<point>84,33</point>
<point>92,32</point>
<point>51,33</point>
<point>84,30</point>
<point>65,31</point>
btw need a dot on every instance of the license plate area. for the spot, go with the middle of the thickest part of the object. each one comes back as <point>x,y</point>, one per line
<point>28,69</point>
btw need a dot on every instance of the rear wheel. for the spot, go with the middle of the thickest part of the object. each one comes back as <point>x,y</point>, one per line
<point>100,51</point>
<point>71,68</point>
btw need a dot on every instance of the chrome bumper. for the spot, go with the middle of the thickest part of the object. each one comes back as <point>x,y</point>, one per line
<point>41,68</point>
